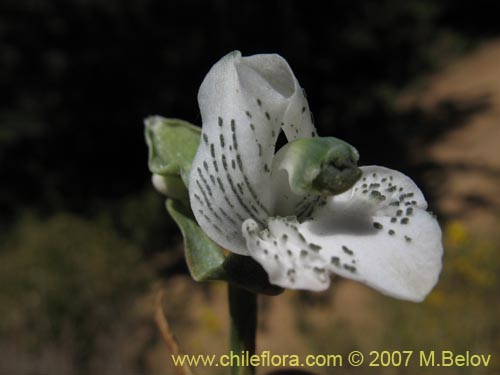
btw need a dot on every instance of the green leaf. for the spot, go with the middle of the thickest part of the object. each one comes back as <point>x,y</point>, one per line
<point>320,166</point>
<point>172,145</point>
<point>206,260</point>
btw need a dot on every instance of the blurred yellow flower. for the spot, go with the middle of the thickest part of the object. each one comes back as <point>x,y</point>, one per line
<point>455,233</point>
<point>210,320</point>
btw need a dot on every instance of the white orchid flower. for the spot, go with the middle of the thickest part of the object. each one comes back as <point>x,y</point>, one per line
<point>246,197</point>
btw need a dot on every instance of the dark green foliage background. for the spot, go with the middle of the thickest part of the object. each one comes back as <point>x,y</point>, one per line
<point>78,77</point>
<point>78,218</point>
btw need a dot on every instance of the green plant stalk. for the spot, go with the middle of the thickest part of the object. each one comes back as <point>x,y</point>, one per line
<point>243,326</point>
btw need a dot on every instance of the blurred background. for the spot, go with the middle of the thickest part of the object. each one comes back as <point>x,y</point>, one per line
<point>85,242</point>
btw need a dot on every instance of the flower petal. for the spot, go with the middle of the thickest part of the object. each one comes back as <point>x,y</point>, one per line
<point>297,121</point>
<point>391,244</point>
<point>244,102</point>
<point>286,255</point>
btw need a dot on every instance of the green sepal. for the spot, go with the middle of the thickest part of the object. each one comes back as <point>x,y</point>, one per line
<point>171,186</point>
<point>207,262</point>
<point>204,257</point>
<point>319,166</point>
<point>172,146</point>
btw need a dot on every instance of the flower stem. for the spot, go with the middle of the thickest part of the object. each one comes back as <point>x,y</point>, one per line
<point>243,325</point>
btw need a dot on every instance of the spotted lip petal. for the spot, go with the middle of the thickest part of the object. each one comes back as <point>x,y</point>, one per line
<point>378,233</point>
<point>244,104</point>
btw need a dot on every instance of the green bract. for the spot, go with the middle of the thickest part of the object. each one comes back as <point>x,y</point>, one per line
<point>172,145</point>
